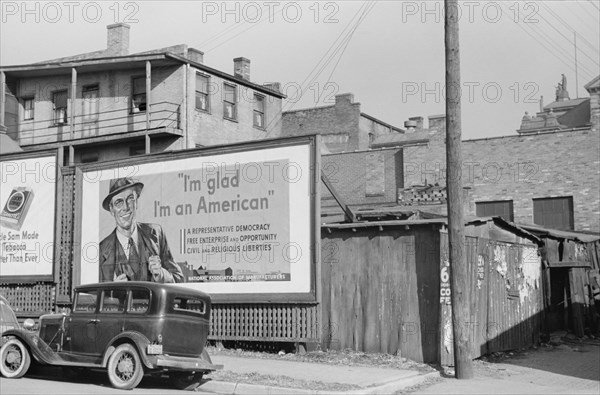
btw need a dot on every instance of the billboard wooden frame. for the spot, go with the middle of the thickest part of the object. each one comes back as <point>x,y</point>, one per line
<point>313,143</point>
<point>54,276</point>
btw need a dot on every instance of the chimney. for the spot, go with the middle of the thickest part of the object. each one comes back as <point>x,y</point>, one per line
<point>273,86</point>
<point>195,55</point>
<point>410,126</point>
<point>419,121</point>
<point>344,98</point>
<point>437,122</point>
<point>241,68</point>
<point>118,39</point>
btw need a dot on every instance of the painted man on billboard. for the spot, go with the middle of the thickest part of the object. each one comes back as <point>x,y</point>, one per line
<point>134,251</point>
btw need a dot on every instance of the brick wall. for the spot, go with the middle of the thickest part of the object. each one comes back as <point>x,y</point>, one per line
<point>364,177</point>
<point>211,128</point>
<point>521,168</point>
<point>342,118</point>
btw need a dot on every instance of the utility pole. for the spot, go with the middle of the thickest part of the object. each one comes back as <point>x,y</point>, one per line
<point>456,227</point>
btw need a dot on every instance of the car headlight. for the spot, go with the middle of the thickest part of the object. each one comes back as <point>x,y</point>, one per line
<point>29,324</point>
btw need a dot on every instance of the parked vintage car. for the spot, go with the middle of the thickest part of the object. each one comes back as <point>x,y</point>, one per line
<point>128,328</point>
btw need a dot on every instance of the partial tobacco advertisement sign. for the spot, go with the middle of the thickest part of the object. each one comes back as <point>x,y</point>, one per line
<point>27,217</point>
<point>226,223</point>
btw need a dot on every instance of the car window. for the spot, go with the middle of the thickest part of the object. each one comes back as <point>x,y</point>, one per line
<point>8,320</point>
<point>113,301</point>
<point>188,304</point>
<point>140,300</point>
<point>85,301</point>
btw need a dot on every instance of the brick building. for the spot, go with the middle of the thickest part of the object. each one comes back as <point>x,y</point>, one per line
<point>110,104</point>
<point>546,174</point>
<point>342,126</point>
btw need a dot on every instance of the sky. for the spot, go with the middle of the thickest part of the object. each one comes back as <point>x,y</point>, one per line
<point>388,54</point>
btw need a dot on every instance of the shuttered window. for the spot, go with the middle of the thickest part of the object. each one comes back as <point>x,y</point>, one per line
<point>554,213</point>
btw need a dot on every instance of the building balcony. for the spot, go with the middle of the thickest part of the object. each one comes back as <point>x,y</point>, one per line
<point>164,118</point>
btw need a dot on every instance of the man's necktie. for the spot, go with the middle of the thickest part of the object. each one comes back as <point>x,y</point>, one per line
<point>134,260</point>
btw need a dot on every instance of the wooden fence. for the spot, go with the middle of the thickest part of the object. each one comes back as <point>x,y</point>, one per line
<point>380,289</point>
<point>506,297</point>
<point>265,322</point>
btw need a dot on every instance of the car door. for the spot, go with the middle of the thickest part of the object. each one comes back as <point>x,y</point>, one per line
<point>111,317</point>
<point>81,338</point>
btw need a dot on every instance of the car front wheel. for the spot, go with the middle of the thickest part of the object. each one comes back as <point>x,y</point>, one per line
<point>14,359</point>
<point>125,369</point>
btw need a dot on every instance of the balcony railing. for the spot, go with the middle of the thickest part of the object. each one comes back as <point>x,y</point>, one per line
<point>102,123</point>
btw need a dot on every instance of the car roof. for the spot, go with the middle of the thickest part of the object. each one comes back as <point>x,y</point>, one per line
<point>155,287</point>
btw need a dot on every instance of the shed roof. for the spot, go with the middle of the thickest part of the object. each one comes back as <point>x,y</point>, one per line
<point>424,219</point>
<point>561,234</point>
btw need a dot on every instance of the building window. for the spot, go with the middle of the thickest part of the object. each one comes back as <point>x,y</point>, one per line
<point>229,101</point>
<point>28,108</point>
<point>501,208</point>
<point>202,98</point>
<point>554,213</point>
<point>259,111</point>
<point>138,95</point>
<point>59,102</point>
<point>91,102</point>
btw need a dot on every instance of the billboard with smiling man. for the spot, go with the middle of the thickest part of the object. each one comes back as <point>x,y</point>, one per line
<point>235,221</point>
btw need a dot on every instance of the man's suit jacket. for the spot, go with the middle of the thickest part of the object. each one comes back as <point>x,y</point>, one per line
<point>152,241</point>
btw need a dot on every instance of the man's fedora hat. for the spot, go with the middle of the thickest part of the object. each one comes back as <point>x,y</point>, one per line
<point>117,186</point>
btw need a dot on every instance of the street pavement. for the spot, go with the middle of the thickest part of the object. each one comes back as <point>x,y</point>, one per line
<point>563,369</point>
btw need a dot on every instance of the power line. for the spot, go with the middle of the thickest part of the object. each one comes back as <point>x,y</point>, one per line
<point>568,39</point>
<point>328,56</point>
<point>363,16</point>
<point>234,27</point>
<point>594,4</point>
<point>551,51</point>
<point>568,26</point>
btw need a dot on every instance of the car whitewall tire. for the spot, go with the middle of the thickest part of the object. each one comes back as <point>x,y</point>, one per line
<point>14,359</point>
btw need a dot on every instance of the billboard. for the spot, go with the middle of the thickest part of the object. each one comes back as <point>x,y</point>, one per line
<point>237,220</point>
<point>27,217</point>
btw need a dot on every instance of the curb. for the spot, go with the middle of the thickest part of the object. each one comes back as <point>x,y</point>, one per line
<point>229,388</point>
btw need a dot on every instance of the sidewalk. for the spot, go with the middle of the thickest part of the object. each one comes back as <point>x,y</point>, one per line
<point>561,369</point>
<point>354,379</point>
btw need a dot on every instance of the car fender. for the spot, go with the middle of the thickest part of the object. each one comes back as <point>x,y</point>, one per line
<point>139,341</point>
<point>37,347</point>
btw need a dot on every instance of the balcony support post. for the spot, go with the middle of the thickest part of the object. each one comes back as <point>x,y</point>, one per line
<point>2,100</point>
<point>72,100</point>
<point>71,155</point>
<point>148,102</point>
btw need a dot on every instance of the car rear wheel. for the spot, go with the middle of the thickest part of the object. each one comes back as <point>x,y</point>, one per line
<point>187,381</point>
<point>125,369</point>
<point>14,359</point>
